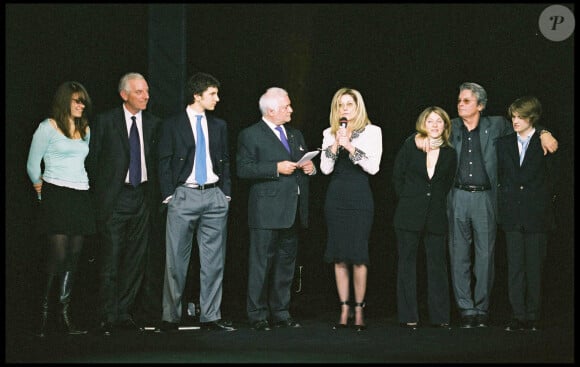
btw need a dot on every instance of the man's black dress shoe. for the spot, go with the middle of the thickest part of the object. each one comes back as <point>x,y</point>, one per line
<point>515,325</point>
<point>532,325</point>
<point>219,325</point>
<point>468,322</point>
<point>106,328</point>
<point>168,327</point>
<point>261,325</point>
<point>288,323</point>
<point>409,325</point>
<point>481,321</point>
<point>129,324</point>
<point>443,325</point>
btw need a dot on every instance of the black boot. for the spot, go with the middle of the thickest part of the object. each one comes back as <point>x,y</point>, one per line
<point>42,330</point>
<point>65,298</point>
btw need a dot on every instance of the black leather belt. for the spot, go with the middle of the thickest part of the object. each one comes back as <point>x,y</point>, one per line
<point>200,187</point>
<point>472,188</point>
<point>129,186</point>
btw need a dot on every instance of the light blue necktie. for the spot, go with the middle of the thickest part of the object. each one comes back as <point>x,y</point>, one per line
<point>135,154</point>
<point>283,138</point>
<point>524,142</point>
<point>200,169</point>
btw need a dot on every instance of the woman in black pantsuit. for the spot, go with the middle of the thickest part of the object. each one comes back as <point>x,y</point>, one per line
<point>422,181</point>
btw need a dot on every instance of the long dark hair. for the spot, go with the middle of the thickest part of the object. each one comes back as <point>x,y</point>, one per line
<point>61,112</point>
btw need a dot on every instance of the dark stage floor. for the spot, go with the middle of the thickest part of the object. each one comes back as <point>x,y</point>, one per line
<point>384,341</point>
<point>316,307</point>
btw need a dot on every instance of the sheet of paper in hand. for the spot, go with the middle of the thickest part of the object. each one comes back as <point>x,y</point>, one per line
<point>307,157</point>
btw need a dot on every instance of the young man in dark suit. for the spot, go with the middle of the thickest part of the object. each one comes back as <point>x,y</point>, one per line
<point>526,180</point>
<point>195,182</point>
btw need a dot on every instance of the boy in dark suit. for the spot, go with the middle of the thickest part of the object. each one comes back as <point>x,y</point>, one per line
<point>526,191</point>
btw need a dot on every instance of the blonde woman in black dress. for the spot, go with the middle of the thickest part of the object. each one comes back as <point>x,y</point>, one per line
<point>351,153</point>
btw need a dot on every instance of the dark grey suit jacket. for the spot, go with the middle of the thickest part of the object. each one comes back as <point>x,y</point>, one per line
<point>108,159</point>
<point>272,201</point>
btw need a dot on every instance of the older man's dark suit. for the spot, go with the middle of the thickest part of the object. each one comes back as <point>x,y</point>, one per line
<point>123,213</point>
<point>273,205</point>
<point>421,212</point>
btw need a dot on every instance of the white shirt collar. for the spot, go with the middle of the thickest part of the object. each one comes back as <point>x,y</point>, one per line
<point>273,126</point>
<point>128,115</point>
<point>191,113</point>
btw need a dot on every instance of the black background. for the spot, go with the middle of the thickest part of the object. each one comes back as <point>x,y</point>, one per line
<point>402,58</point>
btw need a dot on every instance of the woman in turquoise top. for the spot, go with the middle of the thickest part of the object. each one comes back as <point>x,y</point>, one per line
<point>66,213</point>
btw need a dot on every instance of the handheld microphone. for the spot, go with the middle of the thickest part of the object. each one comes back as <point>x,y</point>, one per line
<point>343,122</point>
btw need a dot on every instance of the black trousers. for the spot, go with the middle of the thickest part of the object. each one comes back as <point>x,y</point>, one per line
<point>125,238</point>
<point>437,277</point>
<point>526,253</point>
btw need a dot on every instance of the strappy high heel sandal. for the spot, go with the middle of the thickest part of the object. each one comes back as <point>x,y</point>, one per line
<point>362,306</point>
<point>338,325</point>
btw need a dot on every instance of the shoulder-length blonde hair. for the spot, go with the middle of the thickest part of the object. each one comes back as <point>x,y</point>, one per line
<point>361,118</point>
<point>421,128</point>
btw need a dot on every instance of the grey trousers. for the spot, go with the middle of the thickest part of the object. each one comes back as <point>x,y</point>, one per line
<point>205,213</point>
<point>472,227</point>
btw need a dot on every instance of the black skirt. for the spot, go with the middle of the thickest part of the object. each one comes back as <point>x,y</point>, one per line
<point>63,210</point>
